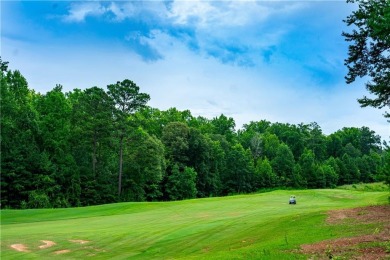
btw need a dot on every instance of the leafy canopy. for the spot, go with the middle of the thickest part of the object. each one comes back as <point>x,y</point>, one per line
<point>369,51</point>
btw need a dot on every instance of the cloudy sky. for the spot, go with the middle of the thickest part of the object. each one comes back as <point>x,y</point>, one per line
<point>282,61</point>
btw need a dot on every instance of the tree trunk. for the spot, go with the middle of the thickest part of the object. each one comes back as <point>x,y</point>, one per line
<point>94,157</point>
<point>120,165</point>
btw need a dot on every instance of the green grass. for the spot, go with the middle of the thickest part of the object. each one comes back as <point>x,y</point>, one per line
<point>257,226</point>
<point>378,186</point>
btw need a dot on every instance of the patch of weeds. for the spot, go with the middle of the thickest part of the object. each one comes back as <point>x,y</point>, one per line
<point>329,252</point>
<point>266,252</point>
<point>382,244</point>
<point>361,213</point>
<point>376,231</point>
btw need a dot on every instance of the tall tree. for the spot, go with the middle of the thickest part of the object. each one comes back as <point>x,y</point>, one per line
<point>55,133</point>
<point>264,174</point>
<point>316,141</point>
<point>224,126</point>
<point>20,154</point>
<point>144,167</point>
<point>181,183</point>
<point>176,140</point>
<point>96,119</point>
<point>127,100</point>
<point>271,145</point>
<point>307,163</point>
<point>240,171</point>
<point>368,53</point>
<point>283,165</point>
<point>199,153</point>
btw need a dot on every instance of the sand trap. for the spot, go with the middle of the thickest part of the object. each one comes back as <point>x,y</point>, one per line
<point>47,244</point>
<point>20,247</point>
<point>79,241</point>
<point>62,251</point>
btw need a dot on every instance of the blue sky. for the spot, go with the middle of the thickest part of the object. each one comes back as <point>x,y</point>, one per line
<point>282,61</point>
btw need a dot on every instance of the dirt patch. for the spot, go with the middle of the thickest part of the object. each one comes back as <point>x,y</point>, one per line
<point>359,247</point>
<point>59,252</point>
<point>20,247</point>
<point>371,214</point>
<point>348,245</point>
<point>47,244</point>
<point>371,252</point>
<point>79,241</point>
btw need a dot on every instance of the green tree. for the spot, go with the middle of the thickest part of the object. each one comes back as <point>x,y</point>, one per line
<point>127,100</point>
<point>307,163</point>
<point>200,154</point>
<point>291,135</point>
<point>334,145</point>
<point>320,177</point>
<point>350,172</point>
<point>265,176</point>
<point>60,169</point>
<point>175,137</point>
<point>96,117</point>
<point>283,165</point>
<point>224,126</point>
<point>316,141</point>
<point>368,53</point>
<point>181,183</point>
<point>3,65</point>
<point>20,154</point>
<point>256,146</point>
<point>385,169</point>
<point>239,174</point>
<point>298,181</point>
<point>92,143</point>
<point>332,175</point>
<point>271,145</point>
<point>351,151</point>
<point>145,167</point>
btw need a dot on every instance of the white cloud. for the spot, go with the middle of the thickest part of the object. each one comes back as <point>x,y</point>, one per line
<point>79,11</point>
<point>117,11</point>
<point>203,14</point>
<point>203,85</point>
<point>280,91</point>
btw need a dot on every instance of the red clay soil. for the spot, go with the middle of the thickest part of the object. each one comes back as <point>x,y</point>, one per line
<point>371,214</point>
<point>355,247</point>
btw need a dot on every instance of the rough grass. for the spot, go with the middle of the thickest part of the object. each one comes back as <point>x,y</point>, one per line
<point>378,186</point>
<point>257,226</point>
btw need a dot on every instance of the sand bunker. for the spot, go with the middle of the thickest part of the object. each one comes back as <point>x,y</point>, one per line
<point>47,244</point>
<point>20,247</point>
<point>79,241</point>
<point>62,251</point>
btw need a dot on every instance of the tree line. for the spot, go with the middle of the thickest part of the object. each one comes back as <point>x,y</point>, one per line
<point>96,146</point>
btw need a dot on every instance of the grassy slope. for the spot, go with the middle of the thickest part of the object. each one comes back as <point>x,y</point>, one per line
<point>238,227</point>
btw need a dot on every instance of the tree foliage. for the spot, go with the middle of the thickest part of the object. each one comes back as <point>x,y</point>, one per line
<point>61,149</point>
<point>127,100</point>
<point>369,50</point>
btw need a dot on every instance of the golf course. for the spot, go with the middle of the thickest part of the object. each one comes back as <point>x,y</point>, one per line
<point>254,226</point>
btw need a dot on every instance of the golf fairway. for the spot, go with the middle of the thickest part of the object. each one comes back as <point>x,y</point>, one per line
<point>257,226</point>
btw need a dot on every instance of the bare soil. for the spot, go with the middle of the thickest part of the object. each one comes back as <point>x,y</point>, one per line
<point>62,251</point>
<point>370,214</point>
<point>47,244</point>
<point>367,247</point>
<point>79,241</point>
<point>20,247</point>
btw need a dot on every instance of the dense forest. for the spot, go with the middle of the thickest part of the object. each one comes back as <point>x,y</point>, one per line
<point>95,146</point>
